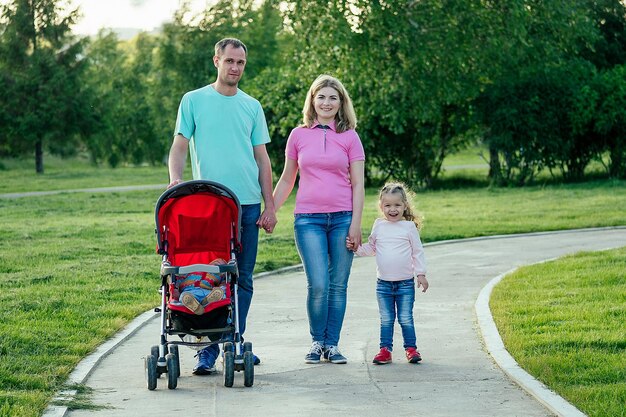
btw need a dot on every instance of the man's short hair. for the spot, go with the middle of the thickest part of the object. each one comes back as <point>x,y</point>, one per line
<point>235,43</point>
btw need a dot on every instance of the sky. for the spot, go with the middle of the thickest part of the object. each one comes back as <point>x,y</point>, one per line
<point>139,14</point>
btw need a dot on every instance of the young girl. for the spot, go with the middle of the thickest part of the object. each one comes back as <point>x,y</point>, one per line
<point>395,242</point>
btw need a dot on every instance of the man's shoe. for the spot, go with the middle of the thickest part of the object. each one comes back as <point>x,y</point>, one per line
<point>206,360</point>
<point>315,353</point>
<point>332,354</point>
<point>412,355</point>
<point>383,357</point>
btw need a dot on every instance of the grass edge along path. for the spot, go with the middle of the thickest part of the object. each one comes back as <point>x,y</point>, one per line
<point>562,321</point>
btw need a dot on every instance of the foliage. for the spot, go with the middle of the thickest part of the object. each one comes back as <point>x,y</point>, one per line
<point>427,78</point>
<point>538,120</point>
<point>124,101</point>
<point>609,48</point>
<point>526,122</point>
<point>609,116</point>
<point>40,68</point>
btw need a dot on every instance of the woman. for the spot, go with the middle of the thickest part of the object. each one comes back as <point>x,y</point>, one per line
<point>328,154</point>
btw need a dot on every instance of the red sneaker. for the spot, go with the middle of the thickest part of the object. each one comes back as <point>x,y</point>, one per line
<point>383,357</point>
<point>412,355</point>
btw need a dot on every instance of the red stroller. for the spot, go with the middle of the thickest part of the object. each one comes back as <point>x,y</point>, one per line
<point>197,223</point>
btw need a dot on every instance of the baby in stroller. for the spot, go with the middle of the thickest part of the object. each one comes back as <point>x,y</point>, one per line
<point>197,290</point>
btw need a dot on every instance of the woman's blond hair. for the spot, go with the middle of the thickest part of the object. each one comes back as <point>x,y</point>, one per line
<point>407,196</point>
<point>345,118</point>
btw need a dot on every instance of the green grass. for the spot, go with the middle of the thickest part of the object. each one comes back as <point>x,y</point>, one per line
<point>59,174</point>
<point>563,322</point>
<point>77,267</point>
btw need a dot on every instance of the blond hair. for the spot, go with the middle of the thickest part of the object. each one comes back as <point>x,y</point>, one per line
<point>406,195</point>
<point>345,119</point>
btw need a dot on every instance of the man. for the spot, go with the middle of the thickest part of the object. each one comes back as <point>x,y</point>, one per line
<point>226,132</point>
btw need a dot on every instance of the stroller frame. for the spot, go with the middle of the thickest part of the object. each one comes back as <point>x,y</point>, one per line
<point>164,358</point>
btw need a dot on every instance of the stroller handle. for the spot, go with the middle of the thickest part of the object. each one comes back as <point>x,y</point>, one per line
<point>213,269</point>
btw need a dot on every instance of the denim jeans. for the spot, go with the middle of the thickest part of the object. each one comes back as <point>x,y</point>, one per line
<point>321,242</point>
<point>246,259</point>
<point>396,297</point>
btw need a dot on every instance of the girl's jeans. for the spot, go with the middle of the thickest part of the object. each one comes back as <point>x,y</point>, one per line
<point>321,242</point>
<point>396,296</point>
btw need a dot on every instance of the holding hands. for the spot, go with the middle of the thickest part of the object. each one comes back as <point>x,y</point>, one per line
<point>267,221</point>
<point>422,282</point>
<point>350,244</point>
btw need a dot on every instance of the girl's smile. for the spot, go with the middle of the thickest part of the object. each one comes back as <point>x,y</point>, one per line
<point>392,207</point>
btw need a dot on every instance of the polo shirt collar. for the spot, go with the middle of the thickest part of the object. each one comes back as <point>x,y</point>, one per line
<point>331,125</point>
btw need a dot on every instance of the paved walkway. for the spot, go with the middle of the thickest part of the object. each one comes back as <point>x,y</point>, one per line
<point>456,378</point>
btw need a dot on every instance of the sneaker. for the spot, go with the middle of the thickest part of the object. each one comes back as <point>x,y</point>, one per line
<point>315,353</point>
<point>216,294</point>
<point>256,360</point>
<point>332,354</point>
<point>206,360</point>
<point>383,357</point>
<point>189,301</point>
<point>412,355</point>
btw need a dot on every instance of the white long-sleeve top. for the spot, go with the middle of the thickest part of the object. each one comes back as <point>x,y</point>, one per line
<point>398,250</point>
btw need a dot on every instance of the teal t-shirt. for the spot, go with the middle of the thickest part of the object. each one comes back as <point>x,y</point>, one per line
<point>222,131</point>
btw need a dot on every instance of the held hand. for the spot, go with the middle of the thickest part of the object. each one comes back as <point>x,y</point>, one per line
<point>354,234</point>
<point>350,244</point>
<point>267,221</point>
<point>422,282</point>
<point>174,182</point>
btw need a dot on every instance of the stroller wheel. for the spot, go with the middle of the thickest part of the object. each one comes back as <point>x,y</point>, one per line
<point>248,368</point>
<point>172,371</point>
<point>154,351</point>
<point>229,347</point>
<point>247,347</point>
<point>229,368</point>
<point>174,351</point>
<point>151,372</point>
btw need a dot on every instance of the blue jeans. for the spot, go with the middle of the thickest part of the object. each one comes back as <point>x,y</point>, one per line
<point>246,259</point>
<point>396,296</point>
<point>321,242</point>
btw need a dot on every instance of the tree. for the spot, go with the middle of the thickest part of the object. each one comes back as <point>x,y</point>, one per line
<point>542,119</point>
<point>411,67</point>
<point>609,117</point>
<point>534,40</point>
<point>41,66</point>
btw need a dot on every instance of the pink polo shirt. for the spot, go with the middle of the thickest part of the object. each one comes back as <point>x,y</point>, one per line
<point>324,158</point>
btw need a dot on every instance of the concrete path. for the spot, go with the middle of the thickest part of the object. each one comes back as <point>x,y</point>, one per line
<point>85,190</point>
<point>456,378</point>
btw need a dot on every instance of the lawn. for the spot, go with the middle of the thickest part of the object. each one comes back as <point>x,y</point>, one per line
<point>77,267</point>
<point>563,322</point>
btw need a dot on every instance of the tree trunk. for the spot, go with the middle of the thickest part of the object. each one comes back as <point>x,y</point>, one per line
<point>39,157</point>
<point>494,164</point>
